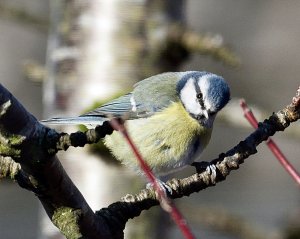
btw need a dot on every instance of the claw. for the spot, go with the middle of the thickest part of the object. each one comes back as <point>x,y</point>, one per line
<point>165,188</point>
<point>211,169</point>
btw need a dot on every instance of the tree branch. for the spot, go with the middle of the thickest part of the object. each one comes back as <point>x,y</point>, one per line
<point>32,147</point>
<point>23,139</point>
<point>131,206</point>
<point>62,141</point>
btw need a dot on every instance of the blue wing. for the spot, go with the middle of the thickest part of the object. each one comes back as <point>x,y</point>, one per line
<point>116,108</point>
<point>148,97</point>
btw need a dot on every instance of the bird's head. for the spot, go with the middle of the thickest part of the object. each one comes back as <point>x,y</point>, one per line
<point>203,95</point>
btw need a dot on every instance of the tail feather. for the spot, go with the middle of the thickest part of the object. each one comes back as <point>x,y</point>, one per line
<point>85,120</point>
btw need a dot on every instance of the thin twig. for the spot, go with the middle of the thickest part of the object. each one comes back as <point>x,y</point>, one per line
<point>271,144</point>
<point>62,141</point>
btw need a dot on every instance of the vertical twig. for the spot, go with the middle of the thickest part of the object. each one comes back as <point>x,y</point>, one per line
<point>271,144</point>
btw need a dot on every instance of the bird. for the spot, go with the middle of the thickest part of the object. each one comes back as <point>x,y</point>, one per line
<point>169,117</point>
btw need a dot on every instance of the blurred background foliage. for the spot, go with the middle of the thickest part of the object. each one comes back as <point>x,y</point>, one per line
<point>66,57</point>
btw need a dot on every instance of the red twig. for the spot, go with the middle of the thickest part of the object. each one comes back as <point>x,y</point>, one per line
<point>165,202</point>
<point>271,144</point>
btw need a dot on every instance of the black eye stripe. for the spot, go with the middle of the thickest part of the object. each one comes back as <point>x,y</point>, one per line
<point>199,94</point>
<point>201,102</point>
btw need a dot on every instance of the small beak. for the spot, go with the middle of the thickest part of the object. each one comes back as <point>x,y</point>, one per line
<point>205,113</point>
<point>206,120</point>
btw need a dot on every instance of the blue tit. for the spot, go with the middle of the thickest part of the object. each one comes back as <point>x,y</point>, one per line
<point>169,117</point>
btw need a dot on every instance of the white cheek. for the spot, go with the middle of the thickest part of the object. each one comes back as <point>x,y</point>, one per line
<point>188,98</point>
<point>207,104</point>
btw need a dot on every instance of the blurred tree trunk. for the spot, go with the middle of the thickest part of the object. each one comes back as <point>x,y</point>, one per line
<point>95,49</point>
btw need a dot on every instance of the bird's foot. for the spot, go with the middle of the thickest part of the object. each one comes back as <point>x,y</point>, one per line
<point>211,169</point>
<point>166,189</point>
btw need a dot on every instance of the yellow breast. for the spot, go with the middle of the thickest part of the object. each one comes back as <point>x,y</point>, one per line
<point>167,140</point>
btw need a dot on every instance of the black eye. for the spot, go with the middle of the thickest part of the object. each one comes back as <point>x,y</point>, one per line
<point>200,99</point>
<point>199,96</point>
<point>212,113</point>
